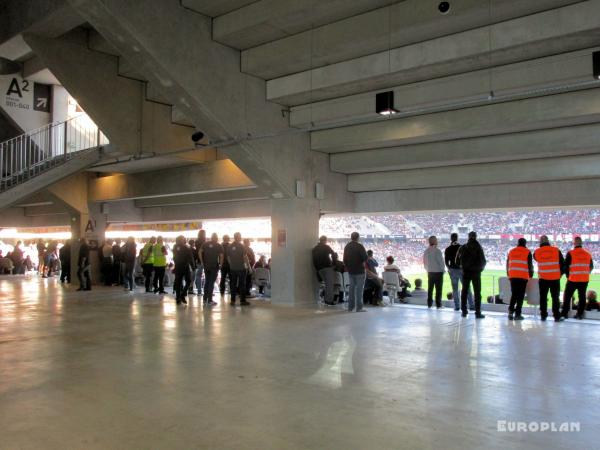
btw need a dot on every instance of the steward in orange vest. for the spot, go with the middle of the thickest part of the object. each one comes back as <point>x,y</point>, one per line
<point>578,267</point>
<point>519,267</point>
<point>550,263</point>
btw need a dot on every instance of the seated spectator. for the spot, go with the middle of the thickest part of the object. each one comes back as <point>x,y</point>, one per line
<point>28,264</point>
<point>261,263</point>
<point>6,265</point>
<point>373,282</point>
<point>390,266</point>
<point>592,301</point>
<point>418,291</point>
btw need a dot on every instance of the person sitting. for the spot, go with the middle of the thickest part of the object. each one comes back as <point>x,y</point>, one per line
<point>418,291</point>
<point>338,267</point>
<point>261,264</point>
<point>373,283</point>
<point>403,282</point>
<point>6,265</point>
<point>591,301</point>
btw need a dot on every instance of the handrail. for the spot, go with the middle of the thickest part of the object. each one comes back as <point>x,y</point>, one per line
<point>34,152</point>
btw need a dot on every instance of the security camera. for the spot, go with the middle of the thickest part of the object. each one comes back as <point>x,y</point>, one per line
<point>444,7</point>
<point>197,137</point>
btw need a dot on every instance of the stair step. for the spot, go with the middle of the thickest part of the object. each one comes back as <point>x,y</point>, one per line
<point>128,70</point>
<point>177,116</point>
<point>155,96</point>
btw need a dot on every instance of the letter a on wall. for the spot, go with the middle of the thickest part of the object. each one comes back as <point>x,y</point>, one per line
<point>91,226</point>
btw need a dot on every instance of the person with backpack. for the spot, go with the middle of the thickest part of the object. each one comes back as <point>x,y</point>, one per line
<point>147,262</point>
<point>471,260</point>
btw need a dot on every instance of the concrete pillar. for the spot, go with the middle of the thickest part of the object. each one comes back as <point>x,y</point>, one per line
<point>90,224</point>
<point>295,228</point>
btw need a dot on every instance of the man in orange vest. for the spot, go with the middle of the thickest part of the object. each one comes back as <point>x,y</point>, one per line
<point>519,266</point>
<point>578,266</point>
<point>550,263</point>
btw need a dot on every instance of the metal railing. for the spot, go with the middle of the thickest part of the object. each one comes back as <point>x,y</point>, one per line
<point>37,151</point>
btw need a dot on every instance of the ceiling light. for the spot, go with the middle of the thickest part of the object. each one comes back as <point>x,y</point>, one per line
<point>384,103</point>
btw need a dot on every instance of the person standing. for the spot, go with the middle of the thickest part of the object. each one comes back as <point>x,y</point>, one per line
<point>433,261</point>
<point>84,266</point>
<point>117,273</point>
<point>147,262</point>
<point>471,259</point>
<point>322,256</point>
<point>64,254</point>
<point>211,258</point>
<point>455,272</point>
<point>184,260</point>
<point>550,263</point>
<point>251,262</point>
<point>355,258</point>
<point>578,266</point>
<point>519,267</point>
<point>159,262</point>
<point>225,267</point>
<point>128,255</point>
<point>199,269</point>
<point>17,259</point>
<point>107,262</point>
<point>41,251</point>
<point>238,263</point>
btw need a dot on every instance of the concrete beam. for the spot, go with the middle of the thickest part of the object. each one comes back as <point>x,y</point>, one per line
<point>248,195</point>
<point>559,110</point>
<point>214,8</point>
<point>269,20</point>
<point>553,194</point>
<point>543,76</point>
<point>210,177</point>
<point>16,218</point>
<point>549,143</point>
<point>549,169</point>
<point>556,31</point>
<point>233,210</point>
<point>411,21</point>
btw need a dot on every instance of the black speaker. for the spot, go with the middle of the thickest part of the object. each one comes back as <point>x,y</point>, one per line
<point>384,103</point>
<point>596,59</point>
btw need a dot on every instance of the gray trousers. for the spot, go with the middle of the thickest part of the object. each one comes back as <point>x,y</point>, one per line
<point>456,277</point>
<point>357,287</point>
<point>327,274</point>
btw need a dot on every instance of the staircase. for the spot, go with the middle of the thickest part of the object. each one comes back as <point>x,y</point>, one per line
<point>35,160</point>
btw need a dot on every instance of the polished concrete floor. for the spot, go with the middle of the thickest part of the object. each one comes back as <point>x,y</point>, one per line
<point>106,369</point>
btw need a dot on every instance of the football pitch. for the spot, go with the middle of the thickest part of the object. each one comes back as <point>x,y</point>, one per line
<point>489,283</point>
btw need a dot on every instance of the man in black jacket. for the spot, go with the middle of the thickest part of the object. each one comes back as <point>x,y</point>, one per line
<point>64,254</point>
<point>184,261</point>
<point>322,255</point>
<point>472,261</point>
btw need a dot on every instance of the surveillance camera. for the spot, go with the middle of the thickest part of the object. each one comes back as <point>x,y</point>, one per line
<point>444,7</point>
<point>197,136</point>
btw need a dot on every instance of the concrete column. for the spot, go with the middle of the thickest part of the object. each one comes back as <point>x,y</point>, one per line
<point>90,224</point>
<point>295,228</point>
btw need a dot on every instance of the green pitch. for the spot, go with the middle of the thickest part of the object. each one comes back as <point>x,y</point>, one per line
<point>489,282</point>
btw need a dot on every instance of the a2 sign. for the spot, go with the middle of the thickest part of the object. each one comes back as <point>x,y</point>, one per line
<point>42,93</point>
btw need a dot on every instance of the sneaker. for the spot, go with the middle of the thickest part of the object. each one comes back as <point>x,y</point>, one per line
<point>471,308</point>
<point>184,301</point>
<point>543,319</point>
<point>579,316</point>
<point>456,309</point>
<point>511,316</point>
<point>479,316</point>
<point>438,307</point>
<point>560,319</point>
<point>244,303</point>
<point>464,314</point>
<point>519,317</point>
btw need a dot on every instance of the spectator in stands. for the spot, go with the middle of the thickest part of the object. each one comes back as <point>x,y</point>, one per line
<point>251,262</point>
<point>519,267</point>
<point>550,269</point>
<point>418,290</point>
<point>355,257</point>
<point>238,264</point>
<point>471,260</point>
<point>403,282</point>
<point>322,256</point>
<point>84,266</point>
<point>184,262</point>
<point>147,262</point>
<point>592,301</point>
<point>433,261</point>
<point>225,269</point>
<point>455,272</point>
<point>578,266</point>
<point>373,283</point>
<point>159,265</point>
<point>128,254</point>
<point>64,255</point>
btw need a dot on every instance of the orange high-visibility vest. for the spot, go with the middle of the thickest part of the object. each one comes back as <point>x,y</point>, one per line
<point>579,270</point>
<point>548,260</point>
<point>518,266</point>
